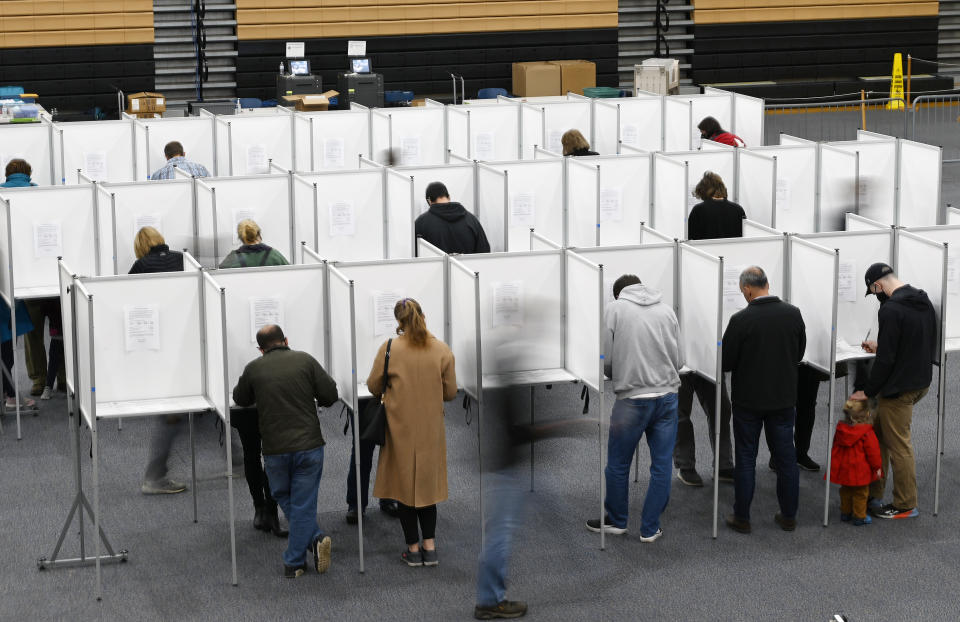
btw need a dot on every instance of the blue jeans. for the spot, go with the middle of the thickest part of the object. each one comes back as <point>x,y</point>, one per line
<point>631,419</point>
<point>503,504</point>
<point>294,481</point>
<point>778,427</point>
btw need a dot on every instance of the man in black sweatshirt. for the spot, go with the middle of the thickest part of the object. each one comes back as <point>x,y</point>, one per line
<point>906,347</point>
<point>449,226</point>
<point>762,347</point>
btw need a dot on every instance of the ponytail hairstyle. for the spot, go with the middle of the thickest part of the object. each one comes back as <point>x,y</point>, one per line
<point>410,321</point>
<point>248,231</point>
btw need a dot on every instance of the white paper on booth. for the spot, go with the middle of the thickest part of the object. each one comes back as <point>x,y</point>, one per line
<point>410,150</point>
<point>243,213</point>
<point>611,204</point>
<point>142,327</point>
<point>384,323</point>
<point>342,218</point>
<point>356,48</point>
<point>47,239</point>
<point>732,297</point>
<point>554,141</point>
<point>847,282</point>
<point>147,220</point>
<point>783,194</point>
<point>263,312</point>
<point>630,134</point>
<point>484,146</point>
<point>864,191</point>
<point>523,209</point>
<point>257,159</point>
<point>95,165</point>
<point>508,303</point>
<point>333,153</point>
<point>953,275</point>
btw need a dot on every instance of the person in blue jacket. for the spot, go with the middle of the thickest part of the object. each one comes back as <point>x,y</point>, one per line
<point>24,325</point>
<point>18,173</point>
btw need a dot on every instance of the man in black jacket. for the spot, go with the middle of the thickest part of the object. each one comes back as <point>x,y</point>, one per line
<point>902,370</point>
<point>762,347</point>
<point>449,226</point>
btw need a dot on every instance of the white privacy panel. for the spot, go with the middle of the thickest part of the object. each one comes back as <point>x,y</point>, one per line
<point>401,213</point>
<point>464,338</point>
<point>653,264</point>
<point>767,253</point>
<point>865,136</point>
<point>787,140</point>
<point>677,126</point>
<point>584,319</point>
<point>712,145</point>
<point>670,196</point>
<point>576,114</point>
<point>350,214</point>
<point>641,124</point>
<point>813,271</point>
<point>606,120</point>
<point>102,150</point>
<point>492,205</point>
<point>756,173</point>
<point>219,387</point>
<point>426,249</point>
<point>246,143</point>
<point>753,229</point>
<point>856,313</point>
<point>951,236</point>
<point>46,223</point>
<point>699,310</point>
<point>32,142</point>
<point>486,133</point>
<point>520,309</point>
<point>796,187</point>
<point>458,178</point>
<point>838,187</point>
<point>341,363</point>
<point>748,119</point>
<point>718,106</point>
<point>84,349</point>
<point>924,264</point>
<point>859,223</point>
<point>265,199</point>
<point>66,313</point>
<point>167,206</point>
<point>290,296</point>
<point>196,134</point>
<point>953,215</point>
<point>877,182</point>
<point>378,287</point>
<point>920,170</point>
<point>582,194</point>
<point>332,140</point>
<point>534,199</point>
<point>414,135</point>
<point>624,197</point>
<point>532,130</point>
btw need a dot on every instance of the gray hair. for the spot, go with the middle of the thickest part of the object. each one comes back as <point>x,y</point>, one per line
<point>754,276</point>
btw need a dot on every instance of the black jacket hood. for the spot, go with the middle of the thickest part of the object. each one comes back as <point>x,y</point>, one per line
<point>451,212</point>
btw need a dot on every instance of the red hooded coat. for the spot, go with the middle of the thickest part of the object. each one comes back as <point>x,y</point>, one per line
<point>856,455</point>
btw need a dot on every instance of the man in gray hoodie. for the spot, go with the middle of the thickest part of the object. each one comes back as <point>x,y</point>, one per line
<point>641,347</point>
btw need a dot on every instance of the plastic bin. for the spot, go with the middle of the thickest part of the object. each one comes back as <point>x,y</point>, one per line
<point>602,92</point>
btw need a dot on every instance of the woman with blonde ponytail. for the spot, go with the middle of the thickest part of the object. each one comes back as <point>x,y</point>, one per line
<point>253,252</point>
<point>413,461</point>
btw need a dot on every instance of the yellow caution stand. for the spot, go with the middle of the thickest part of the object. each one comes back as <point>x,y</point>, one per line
<point>896,84</point>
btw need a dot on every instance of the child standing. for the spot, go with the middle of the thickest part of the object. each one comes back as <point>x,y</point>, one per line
<point>855,461</point>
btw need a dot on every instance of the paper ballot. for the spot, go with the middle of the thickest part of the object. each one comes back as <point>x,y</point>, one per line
<point>611,204</point>
<point>508,303</point>
<point>484,146</point>
<point>47,239</point>
<point>263,312</point>
<point>783,194</point>
<point>341,218</point>
<point>732,297</point>
<point>630,134</point>
<point>953,276</point>
<point>333,153</point>
<point>410,150</point>
<point>383,321</point>
<point>257,159</point>
<point>522,209</point>
<point>142,327</point>
<point>147,220</point>
<point>95,165</point>
<point>847,282</point>
<point>554,141</point>
<point>846,351</point>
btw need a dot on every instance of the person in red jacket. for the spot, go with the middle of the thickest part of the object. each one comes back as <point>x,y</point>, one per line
<point>855,461</point>
<point>710,130</point>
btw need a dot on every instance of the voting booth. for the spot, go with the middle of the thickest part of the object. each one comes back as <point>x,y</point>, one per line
<point>247,143</point>
<point>332,139</point>
<point>402,211</point>
<point>99,150</point>
<point>877,177</point>
<point>676,175</point>
<point>636,122</point>
<point>342,214</point>
<point>196,134</point>
<point>794,190</point>
<point>484,132</point>
<point>757,185</point>
<point>543,123</point>
<point>608,199</point>
<point>837,184</point>
<point>919,171</point>
<point>458,177</point>
<point>408,136</point>
<point>513,197</point>
<point>748,114</point>
<point>33,142</point>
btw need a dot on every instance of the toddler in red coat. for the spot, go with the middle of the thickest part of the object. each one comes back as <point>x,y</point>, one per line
<point>855,461</point>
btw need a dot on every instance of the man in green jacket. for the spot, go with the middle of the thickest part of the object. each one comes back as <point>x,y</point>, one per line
<point>286,385</point>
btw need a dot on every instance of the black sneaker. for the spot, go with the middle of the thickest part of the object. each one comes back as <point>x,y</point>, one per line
<point>292,572</point>
<point>320,548</point>
<point>503,609</point>
<point>594,525</point>
<point>429,557</point>
<point>351,517</point>
<point>726,475</point>
<point>889,511</point>
<point>805,463</point>
<point>412,558</point>
<point>690,477</point>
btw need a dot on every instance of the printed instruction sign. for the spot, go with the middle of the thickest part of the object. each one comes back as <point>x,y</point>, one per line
<point>333,153</point>
<point>484,146</point>
<point>342,218</point>
<point>47,239</point>
<point>141,327</point>
<point>523,209</point>
<point>629,134</point>
<point>847,282</point>
<point>410,150</point>
<point>95,165</point>
<point>384,323</point>
<point>611,204</point>
<point>264,312</point>
<point>257,162</point>
<point>147,220</point>
<point>783,195</point>
<point>508,303</point>
<point>732,296</point>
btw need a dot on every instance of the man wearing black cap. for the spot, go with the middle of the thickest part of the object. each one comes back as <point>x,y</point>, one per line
<point>449,226</point>
<point>902,371</point>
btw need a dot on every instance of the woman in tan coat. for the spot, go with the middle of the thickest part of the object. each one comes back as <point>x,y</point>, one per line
<point>413,461</point>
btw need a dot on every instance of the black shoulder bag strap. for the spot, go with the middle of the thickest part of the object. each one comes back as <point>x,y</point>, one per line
<point>386,368</point>
<point>266,256</point>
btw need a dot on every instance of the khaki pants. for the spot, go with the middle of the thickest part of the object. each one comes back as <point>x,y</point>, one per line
<point>853,500</point>
<point>892,426</point>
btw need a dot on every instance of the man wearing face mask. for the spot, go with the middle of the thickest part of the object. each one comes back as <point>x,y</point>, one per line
<point>902,370</point>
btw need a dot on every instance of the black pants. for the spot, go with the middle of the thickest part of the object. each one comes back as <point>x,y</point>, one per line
<point>6,355</point>
<point>366,465</point>
<point>56,361</point>
<point>248,428</point>
<point>427,516</point>
<point>808,384</point>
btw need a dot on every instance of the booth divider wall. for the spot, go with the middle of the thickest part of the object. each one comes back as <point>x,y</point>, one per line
<point>837,188</point>
<point>484,132</point>
<point>719,106</point>
<point>855,222</point>
<point>246,143</point>
<point>795,191</point>
<point>465,333</point>
<point>877,187</point>
<point>401,210</point>
<point>920,169</point>
<point>196,134</point>
<point>756,185</point>
<point>623,192</point>
<point>670,183</point>
<point>634,121</point>
<point>560,117</point>
<point>813,289</point>
<point>102,150</point>
<point>678,124</point>
<point>332,140</point>
<point>953,215</point>
<point>517,196</point>
<point>923,271</point>
<point>408,136</point>
<point>655,264</point>
<point>33,142</point>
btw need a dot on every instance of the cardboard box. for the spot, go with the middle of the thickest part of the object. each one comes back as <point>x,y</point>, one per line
<point>576,75</point>
<point>146,115</point>
<point>310,103</point>
<point>146,102</point>
<point>534,79</point>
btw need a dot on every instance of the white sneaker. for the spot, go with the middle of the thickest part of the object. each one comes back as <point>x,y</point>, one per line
<point>653,537</point>
<point>47,393</point>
